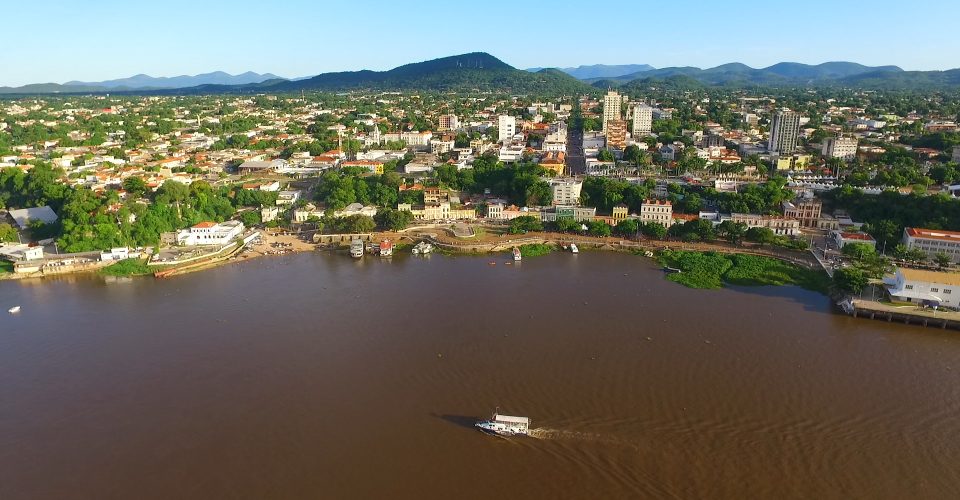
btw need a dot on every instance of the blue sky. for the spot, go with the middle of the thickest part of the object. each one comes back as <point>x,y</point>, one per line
<point>89,40</point>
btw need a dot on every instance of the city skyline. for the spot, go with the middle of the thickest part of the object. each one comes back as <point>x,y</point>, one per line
<point>116,39</point>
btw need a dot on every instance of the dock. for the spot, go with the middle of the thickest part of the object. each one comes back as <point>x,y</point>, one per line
<point>908,315</point>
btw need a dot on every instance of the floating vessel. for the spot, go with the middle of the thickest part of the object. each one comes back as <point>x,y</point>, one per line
<point>422,248</point>
<point>671,269</point>
<point>356,249</point>
<point>573,248</point>
<point>504,425</point>
<point>516,254</point>
<point>385,248</point>
<point>14,310</point>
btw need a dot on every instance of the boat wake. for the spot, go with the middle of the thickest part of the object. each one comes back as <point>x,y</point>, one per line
<point>564,435</point>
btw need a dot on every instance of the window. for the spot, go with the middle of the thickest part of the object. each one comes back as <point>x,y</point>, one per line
<point>934,290</point>
<point>909,287</point>
<point>947,292</point>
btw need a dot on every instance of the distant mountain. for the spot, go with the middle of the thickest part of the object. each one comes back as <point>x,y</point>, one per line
<point>176,82</point>
<point>601,70</point>
<point>477,70</point>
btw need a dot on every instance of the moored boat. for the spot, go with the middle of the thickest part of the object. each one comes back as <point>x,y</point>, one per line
<point>573,248</point>
<point>14,310</point>
<point>516,253</point>
<point>356,249</point>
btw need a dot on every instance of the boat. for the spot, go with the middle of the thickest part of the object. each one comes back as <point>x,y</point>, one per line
<point>516,254</point>
<point>422,248</point>
<point>671,269</point>
<point>573,248</point>
<point>356,249</point>
<point>504,425</point>
<point>14,310</point>
<point>385,248</point>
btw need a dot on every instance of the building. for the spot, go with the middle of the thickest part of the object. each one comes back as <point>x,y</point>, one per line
<point>930,287</point>
<point>23,216</point>
<point>933,241</point>
<point>956,154</point>
<point>844,148</point>
<point>210,233</point>
<point>441,147</point>
<point>784,131</point>
<point>506,127</point>
<point>616,134</point>
<point>642,120</point>
<point>438,211</point>
<point>779,225</point>
<point>579,214</point>
<point>448,122</point>
<point>805,210</point>
<point>554,161</point>
<point>356,209</point>
<point>566,191</point>
<point>269,214</point>
<point>495,211</point>
<point>660,211</point>
<point>372,166</point>
<point>611,107</point>
<point>620,213</point>
<point>842,239</point>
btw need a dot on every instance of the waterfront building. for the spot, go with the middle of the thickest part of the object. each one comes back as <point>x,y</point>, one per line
<point>932,287</point>
<point>566,191</point>
<point>659,211</point>
<point>620,213</point>
<point>933,241</point>
<point>844,148</point>
<point>210,233</point>
<point>579,214</point>
<point>842,238</point>
<point>642,120</point>
<point>495,211</point>
<point>611,107</point>
<point>438,211</point>
<point>784,131</point>
<point>779,225</point>
<point>805,210</point>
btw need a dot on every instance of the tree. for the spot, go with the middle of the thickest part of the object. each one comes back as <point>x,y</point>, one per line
<point>627,227</point>
<point>654,230</point>
<point>942,260</point>
<point>761,235</point>
<point>7,232</point>
<point>567,225</point>
<point>393,220</point>
<point>135,186</point>
<point>605,155</point>
<point>250,218</point>
<point>524,223</point>
<point>850,279</point>
<point>599,228</point>
<point>357,224</point>
<point>732,231</point>
<point>859,251</point>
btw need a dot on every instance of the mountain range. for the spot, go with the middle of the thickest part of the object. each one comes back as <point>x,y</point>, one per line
<point>484,72</point>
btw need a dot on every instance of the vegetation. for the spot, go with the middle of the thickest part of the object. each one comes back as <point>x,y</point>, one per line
<point>712,270</point>
<point>128,267</point>
<point>535,249</point>
<point>525,223</point>
<point>6,267</point>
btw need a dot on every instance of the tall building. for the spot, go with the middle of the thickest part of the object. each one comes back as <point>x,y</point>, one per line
<point>844,148</point>
<point>784,131</point>
<point>566,191</point>
<point>449,122</point>
<point>507,127</point>
<point>611,107</point>
<point>617,134</point>
<point>642,120</point>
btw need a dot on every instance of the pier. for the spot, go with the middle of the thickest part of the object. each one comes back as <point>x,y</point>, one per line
<point>908,315</point>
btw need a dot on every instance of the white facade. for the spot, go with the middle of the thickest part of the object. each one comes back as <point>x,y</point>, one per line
<point>784,131</point>
<point>659,211</point>
<point>506,127</point>
<point>210,233</point>
<point>913,285</point>
<point>611,107</point>
<point>844,148</point>
<point>933,241</point>
<point>642,120</point>
<point>566,191</point>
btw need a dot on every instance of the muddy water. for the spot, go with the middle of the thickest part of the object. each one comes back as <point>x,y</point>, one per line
<point>315,376</point>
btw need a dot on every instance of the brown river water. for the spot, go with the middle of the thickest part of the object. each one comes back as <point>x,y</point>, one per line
<point>315,376</point>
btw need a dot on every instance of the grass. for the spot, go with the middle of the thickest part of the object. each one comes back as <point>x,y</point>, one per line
<point>535,249</point>
<point>128,267</point>
<point>711,270</point>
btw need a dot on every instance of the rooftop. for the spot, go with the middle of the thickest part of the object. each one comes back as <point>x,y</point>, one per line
<point>933,234</point>
<point>930,276</point>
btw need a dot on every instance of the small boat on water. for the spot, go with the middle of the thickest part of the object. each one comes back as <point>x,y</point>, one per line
<point>422,248</point>
<point>573,248</point>
<point>671,269</point>
<point>504,425</point>
<point>14,310</point>
<point>516,253</point>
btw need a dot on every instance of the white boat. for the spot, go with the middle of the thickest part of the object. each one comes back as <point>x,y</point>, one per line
<point>516,254</point>
<point>573,248</point>
<point>422,248</point>
<point>14,310</point>
<point>356,249</point>
<point>505,425</point>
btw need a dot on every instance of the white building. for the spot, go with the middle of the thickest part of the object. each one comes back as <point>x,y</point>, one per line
<point>566,191</point>
<point>915,285</point>
<point>642,120</point>
<point>269,214</point>
<point>844,148</point>
<point>210,233</point>
<point>506,127</point>
<point>659,211</point>
<point>933,241</point>
<point>784,131</point>
<point>611,107</point>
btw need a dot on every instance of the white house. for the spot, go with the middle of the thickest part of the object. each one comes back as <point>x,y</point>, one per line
<point>915,285</point>
<point>210,233</point>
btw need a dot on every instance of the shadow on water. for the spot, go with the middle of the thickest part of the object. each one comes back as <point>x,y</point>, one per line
<point>464,421</point>
<point>810,300</point>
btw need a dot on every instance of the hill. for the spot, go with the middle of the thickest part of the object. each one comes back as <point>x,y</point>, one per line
<point>601,70</point>
<point>146,81</point>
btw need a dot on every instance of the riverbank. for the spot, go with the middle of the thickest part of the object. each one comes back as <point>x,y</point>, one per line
<point>712,270</point>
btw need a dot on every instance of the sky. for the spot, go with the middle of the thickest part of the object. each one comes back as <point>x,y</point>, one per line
<point>93,40</point>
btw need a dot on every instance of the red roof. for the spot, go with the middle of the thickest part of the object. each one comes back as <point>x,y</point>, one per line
<point>933,234</point>
<point>856,236</point>
<point>205,225</point>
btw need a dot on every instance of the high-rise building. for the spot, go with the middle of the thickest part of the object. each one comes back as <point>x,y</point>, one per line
<point>844,148</point>
<point>617,134</point>
<point>449,122</point>
<point>642,120</point>
<point>507,127</point>
<point>784,131</point>
<point>611,107</point>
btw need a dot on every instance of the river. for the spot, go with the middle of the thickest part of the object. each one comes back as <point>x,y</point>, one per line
<point>316,376</point>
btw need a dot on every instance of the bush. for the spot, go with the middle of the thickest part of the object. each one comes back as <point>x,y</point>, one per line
<point>712,270</point>
<point>128,267</point>
<point>535,249</point>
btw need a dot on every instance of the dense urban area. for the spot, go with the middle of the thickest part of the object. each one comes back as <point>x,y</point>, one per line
<point>864,182</point>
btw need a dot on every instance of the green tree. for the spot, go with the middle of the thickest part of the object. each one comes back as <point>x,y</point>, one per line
<point>733,232</point>
<point>135,186</point>
<point>850,280</point>
<point>627,227</point>
<point>7,232</point>
<point>525,223</point>
<point>250,218</point>
<point>393,220</point>
<point>762,235</point>
<point>599,228</point>
<point>859,251</point>
<point>567,225</point>
<point>654,230</point>
<point>942,260</point>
